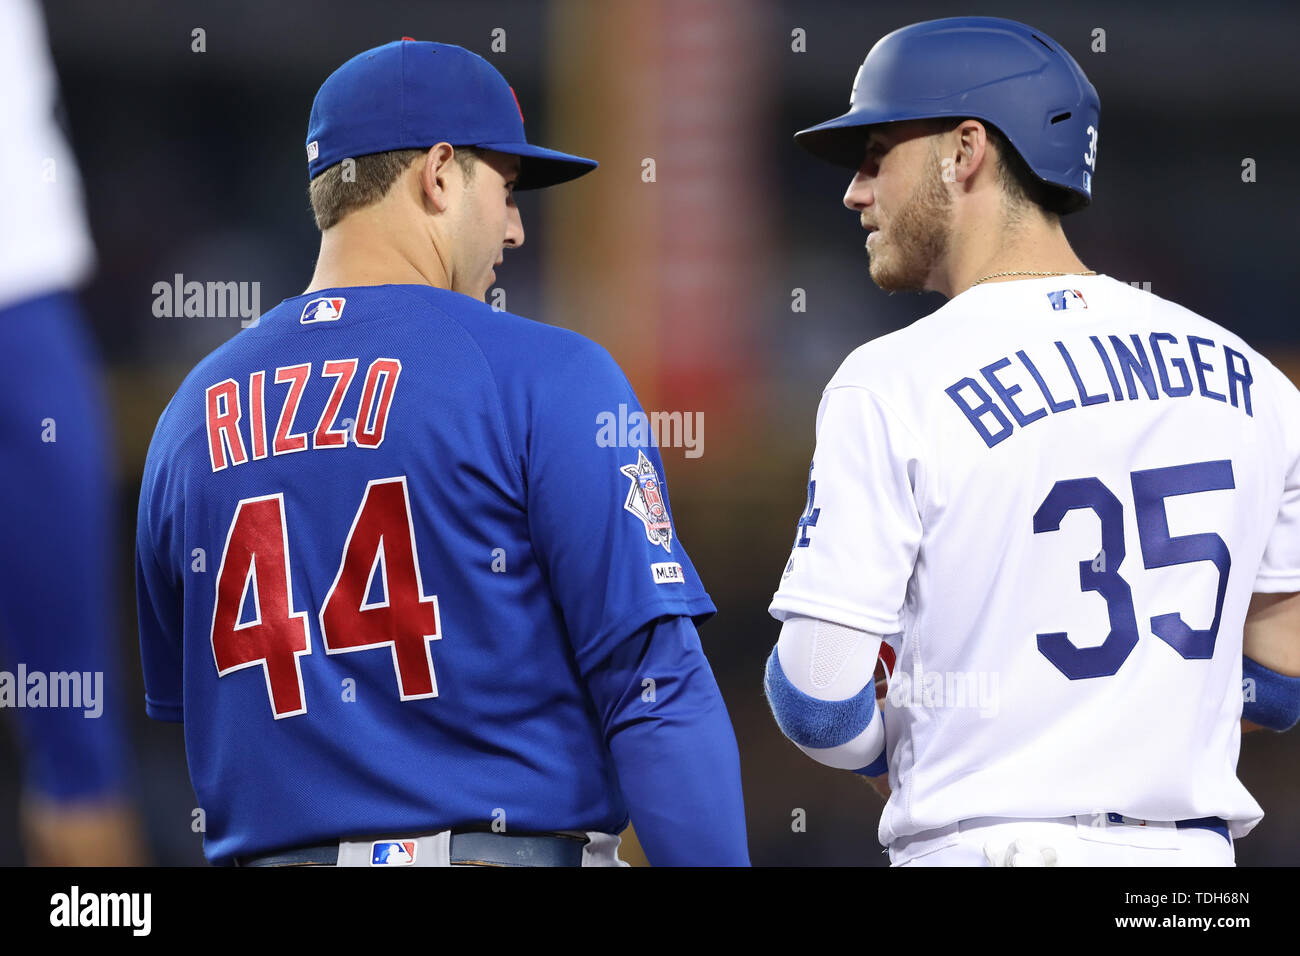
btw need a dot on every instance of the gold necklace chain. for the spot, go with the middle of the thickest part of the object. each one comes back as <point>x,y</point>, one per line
<point>1001,275</point>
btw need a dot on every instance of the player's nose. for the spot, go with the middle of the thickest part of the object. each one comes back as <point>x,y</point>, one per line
<point>860,193</point>
<point>514,226</point>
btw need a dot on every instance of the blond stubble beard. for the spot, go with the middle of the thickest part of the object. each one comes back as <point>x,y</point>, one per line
<point>918,235</point>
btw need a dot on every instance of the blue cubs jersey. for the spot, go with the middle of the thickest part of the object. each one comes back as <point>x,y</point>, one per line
<point>381,546</point>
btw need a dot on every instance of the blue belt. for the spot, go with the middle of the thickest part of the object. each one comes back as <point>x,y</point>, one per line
<point>467,848</point>
<point>1217,824</point>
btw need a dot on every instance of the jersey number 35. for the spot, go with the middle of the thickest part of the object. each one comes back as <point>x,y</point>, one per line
<point>1159,550</point>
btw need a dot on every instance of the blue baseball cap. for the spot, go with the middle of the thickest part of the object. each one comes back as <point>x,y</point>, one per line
<point>412,95</point>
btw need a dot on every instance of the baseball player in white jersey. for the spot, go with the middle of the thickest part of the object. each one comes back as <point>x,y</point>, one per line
<point>1059,508</point>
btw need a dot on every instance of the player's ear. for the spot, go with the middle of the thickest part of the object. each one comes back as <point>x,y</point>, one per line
<point>963,151</point>
<point>436,173</point>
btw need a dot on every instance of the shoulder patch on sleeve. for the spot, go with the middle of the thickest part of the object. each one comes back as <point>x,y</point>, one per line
<point>645,500</point>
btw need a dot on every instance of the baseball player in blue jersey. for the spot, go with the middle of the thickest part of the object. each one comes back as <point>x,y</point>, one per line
<point>409,610</point>
<point>58,656</point>
<point>1065,510</point>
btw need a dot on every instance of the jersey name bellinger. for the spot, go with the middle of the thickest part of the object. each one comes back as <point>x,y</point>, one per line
<point>1132,369</point>
<point>363,426</point>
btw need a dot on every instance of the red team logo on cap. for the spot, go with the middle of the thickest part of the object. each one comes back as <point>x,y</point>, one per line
<point>517,106</point>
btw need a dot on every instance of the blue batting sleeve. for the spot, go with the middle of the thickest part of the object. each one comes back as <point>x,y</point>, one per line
<point>672,741</point>
<point>1271,700</point>
<point>810,721</point>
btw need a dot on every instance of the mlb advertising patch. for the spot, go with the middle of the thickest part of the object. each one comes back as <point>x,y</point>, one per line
<point>669,572</point>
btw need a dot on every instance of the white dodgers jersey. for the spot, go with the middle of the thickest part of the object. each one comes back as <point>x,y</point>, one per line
<point>1055,496</point>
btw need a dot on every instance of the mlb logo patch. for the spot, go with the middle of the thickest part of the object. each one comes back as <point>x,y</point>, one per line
<point>322,310</point>
<point>668,572</point>
<point>313,150</point>
<point>1063,299</point>
<point>392,853</point>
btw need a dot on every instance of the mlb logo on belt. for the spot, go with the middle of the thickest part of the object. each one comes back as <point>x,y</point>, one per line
<point>392,853</point>
<point>1063,299</point>
<point>322,310</point>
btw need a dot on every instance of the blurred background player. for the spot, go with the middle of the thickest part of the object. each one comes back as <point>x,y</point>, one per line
<point>1053,498</point>
<point>439,621</point>
<point>58,655</point>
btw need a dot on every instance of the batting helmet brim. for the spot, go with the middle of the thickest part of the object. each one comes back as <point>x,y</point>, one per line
<point>843,140</point>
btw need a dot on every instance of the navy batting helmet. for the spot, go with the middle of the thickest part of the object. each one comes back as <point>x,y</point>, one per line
<point>1000,71</point>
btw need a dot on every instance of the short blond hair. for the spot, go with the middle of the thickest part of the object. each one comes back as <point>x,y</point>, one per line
<point>333,197</point>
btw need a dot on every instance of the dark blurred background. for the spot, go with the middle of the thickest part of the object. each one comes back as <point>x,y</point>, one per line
<point>193,163</point>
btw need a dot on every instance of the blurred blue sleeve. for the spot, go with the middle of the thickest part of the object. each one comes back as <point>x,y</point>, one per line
<point>60,667</point>
<point>671,738</point>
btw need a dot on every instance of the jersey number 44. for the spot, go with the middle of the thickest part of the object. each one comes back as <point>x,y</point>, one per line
<point>255,568</point>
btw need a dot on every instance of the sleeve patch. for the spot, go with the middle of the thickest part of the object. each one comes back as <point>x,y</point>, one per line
<point>645,500</point>
<point>668,572</point>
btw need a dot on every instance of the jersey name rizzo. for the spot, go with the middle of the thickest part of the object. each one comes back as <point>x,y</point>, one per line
<point>364,427</point>
<point>992,409</point>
